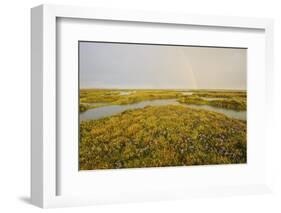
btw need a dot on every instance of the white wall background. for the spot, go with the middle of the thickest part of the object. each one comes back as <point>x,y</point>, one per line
<point>15,104</point>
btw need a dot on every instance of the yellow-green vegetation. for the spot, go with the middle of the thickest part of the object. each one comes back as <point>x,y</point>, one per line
<point>221,94</point>
<point>83,106</point>
<point>114,97</point>
<point>171,135</point>
<point>231,102</point>
<point>92,98</point>
<point>98,95</point>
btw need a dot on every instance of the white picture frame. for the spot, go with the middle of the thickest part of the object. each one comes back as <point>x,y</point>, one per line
<point>44,154</point>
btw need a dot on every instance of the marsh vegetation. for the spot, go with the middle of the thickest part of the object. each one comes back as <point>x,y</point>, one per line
<point>151,128</point>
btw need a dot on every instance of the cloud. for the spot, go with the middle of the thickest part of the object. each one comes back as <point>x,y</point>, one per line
<point>114,65</point>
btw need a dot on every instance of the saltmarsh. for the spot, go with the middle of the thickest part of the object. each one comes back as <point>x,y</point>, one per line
<point>171,135</point>
<point>235,103</point>
<point>93,98</point>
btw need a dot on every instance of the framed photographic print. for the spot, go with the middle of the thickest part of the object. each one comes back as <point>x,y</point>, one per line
<point>130,106</point>
<point>151,105</point>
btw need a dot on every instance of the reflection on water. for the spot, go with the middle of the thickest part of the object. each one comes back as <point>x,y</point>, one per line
<point>101,112</point>
<point>241,115</point>
<point>187,93</point>
<point>126,93</point>
<point>105,111</point>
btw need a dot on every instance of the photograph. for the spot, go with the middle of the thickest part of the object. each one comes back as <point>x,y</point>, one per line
<point>161,105</point>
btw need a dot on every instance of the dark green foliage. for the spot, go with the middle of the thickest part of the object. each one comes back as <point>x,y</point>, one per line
<point>83,107</point>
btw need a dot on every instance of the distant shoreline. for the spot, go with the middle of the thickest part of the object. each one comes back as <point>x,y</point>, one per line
<point>212,90</point>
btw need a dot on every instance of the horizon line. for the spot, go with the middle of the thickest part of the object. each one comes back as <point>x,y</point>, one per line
<point>116,88</point>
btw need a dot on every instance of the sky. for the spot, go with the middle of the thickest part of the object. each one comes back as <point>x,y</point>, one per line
<point>143,66</point>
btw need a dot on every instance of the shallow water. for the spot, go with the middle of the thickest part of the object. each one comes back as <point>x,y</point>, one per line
<point>187,93</point>
<point>241,115</point>
<point>126,93</point>
<point>105,111</point>
<point>101,112</point>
